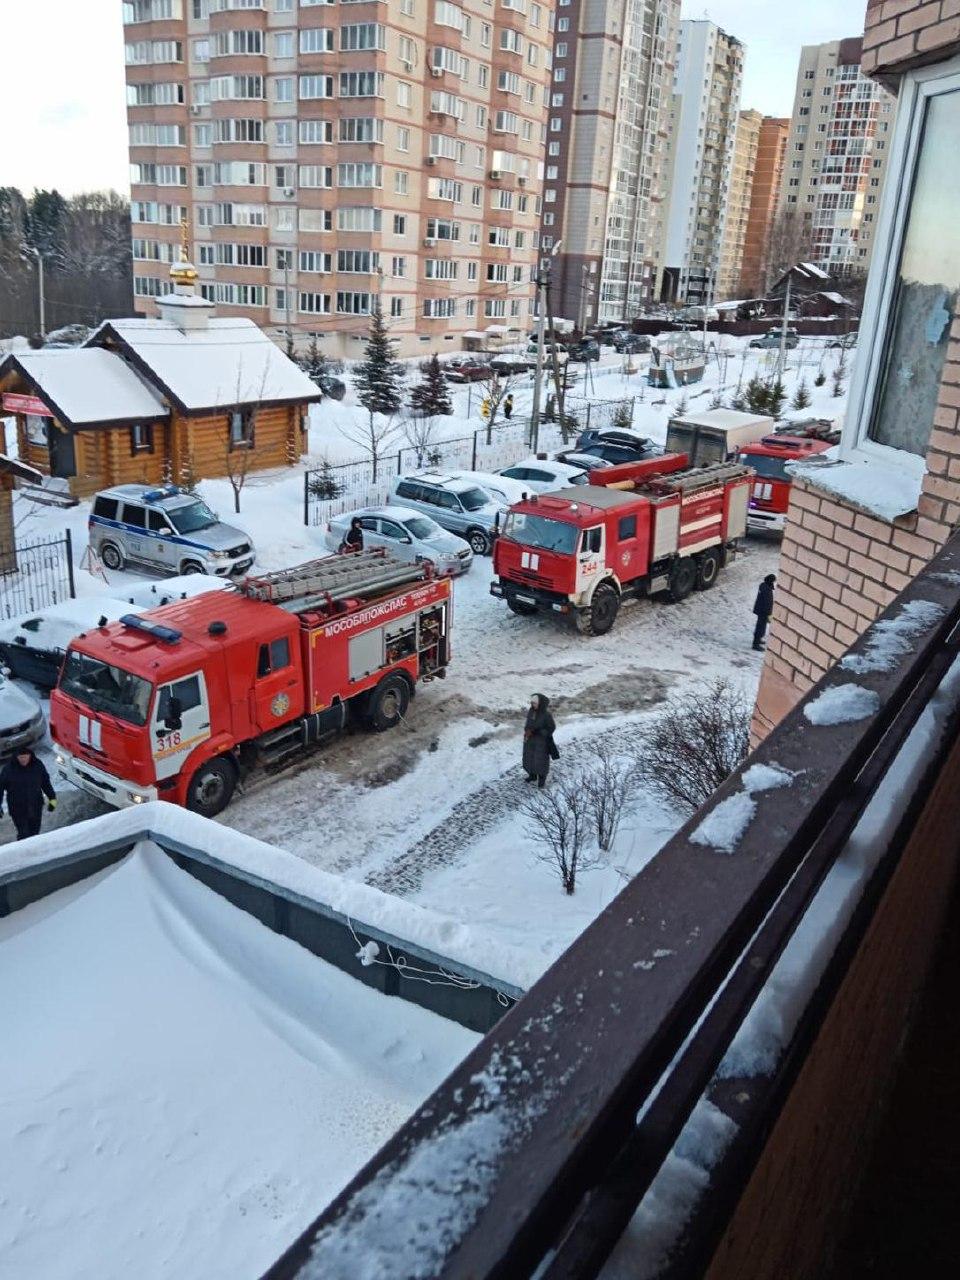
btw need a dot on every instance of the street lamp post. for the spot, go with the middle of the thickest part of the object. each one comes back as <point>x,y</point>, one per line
<point>543,276</point>
<point>39,257</point>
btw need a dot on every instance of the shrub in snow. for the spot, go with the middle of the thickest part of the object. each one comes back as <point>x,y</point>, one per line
<point>430,397</point>
<point>697,740</point>
<point>801,397</point>
<point>820,379</point>
<point>607,788</point>
<point>557,819</point>
<point>623,416</point>
<point>683,406</point>
<point>838,380</point>
<point>324,486</point>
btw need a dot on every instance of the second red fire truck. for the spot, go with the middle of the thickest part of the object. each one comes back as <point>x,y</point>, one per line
<point>770,496</point>
<point>183,702</point>
<point>637,529</point>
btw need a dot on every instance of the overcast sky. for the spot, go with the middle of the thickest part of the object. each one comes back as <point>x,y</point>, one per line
<point>63,110</point>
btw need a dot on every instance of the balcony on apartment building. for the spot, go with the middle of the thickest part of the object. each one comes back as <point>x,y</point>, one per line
<point>693,1088</point>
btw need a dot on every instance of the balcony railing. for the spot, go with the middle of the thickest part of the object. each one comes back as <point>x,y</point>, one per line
<point>533,1156</point>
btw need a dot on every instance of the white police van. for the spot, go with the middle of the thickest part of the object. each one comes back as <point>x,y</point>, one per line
<point>167,530</point>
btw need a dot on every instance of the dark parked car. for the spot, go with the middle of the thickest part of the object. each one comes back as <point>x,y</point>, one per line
<point>585,350</point>
<point>467,369</point>
<point>32,648</point>
<point>631,344</point>
<point>609,452</point>
<point>621,438</point>
<point>506,364</point>
<point>771,340</point>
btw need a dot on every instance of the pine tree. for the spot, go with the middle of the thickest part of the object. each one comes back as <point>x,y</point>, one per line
<point>378,377</point>
<point>430,396</point>
<point>756,395</point>
<point>314,365</point>
<point>801,397</point>
<point>820,379</point>
<point>776,397</point>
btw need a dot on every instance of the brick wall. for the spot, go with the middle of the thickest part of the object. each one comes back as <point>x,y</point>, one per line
<point>900,34</point>
<point>789,1216</point>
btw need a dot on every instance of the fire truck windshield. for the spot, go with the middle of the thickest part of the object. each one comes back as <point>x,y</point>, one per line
<point>767,467</point>
<point>542,532</point>
<point>191,518</point>
<point>104,688</point>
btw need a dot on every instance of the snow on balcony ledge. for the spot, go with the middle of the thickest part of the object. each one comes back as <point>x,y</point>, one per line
<point>875,486</point>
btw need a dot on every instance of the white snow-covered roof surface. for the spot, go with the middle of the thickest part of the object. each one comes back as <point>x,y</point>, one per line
<point>213,1084</point>
<point>89,384</point>
<point>229,362</point>
<point>813,270</point>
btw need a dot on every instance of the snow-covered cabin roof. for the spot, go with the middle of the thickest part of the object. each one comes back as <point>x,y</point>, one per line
<point>87,386</point>
<point>812,269</point>
<point>836,298</point>
<point>229,362</point>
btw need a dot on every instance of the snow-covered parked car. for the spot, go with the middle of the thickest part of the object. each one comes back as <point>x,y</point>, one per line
<point>21,719</point>
<point>406,534</point>
<point>502,489</point>
<point>32,647</point>
<point>459,505</point>
<point>540,475</point>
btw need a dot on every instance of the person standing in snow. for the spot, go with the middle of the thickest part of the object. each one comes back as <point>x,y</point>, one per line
<point>508,407</point>
<point>538,745</point>
<point>353,538</point>
<point>24,781</point>
<point>762,608</point>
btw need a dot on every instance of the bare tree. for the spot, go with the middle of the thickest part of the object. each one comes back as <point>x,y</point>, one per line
<point>420,435</point>
<point>695,742</point>
<point>790,242</point>
<point>608,788</point>
<point>376,437</point>
<point>557,819</point>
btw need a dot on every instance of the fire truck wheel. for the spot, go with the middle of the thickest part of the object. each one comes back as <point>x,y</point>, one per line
<point>111,555</point>
<point>683,578</point>
<point>388,703</point>
<point>211,787</point>
<point>518,607</point>
<point>479,542</point>
<point>602,614</point>
<point>708,569</point>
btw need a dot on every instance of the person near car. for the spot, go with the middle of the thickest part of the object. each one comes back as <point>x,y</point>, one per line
<point>762,608</point>
<point>24,782</point>
<point>539,747</point>
<point>508,407</point>
<point>353,538</point>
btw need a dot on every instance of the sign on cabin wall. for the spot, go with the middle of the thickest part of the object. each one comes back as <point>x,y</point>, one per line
<point>14,402</point>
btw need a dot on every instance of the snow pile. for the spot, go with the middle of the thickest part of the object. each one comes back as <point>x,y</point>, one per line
<point>875,487</point>
<point>181,1089</point>
<point>892,638</point>
<point>842,704</point>
<point>724,826</point>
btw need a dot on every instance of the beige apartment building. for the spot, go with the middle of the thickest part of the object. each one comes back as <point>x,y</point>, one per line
<point>703,128</point>
<point>605,181</point>
<point>836,152</point>
<point>742,170</point>
<point>325,156</point>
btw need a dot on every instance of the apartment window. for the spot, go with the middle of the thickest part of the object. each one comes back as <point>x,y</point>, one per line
<point>357,129</point>
<point>318,131</point>
<point>228,43</point>
<point>283,133</point>
<point>357,36</point>
<point>283,176</point>
<point>361,84</point>
<point>355,304</point>
<point>563,24</point>
<point>314,262</point>
<point>401,182</point>
<point>316,175</point>
<point>448,15</point>
<point>511,41</point>
<point>561,49</point>
<point>441,269</point>
<point>314,304</point>
<point>398,267</point>
<point>439,308</point>
<point>396,308</point>
<point>442,229</point>
<point>399,224</point>
<point>919,291</point>
<point>315,87</point>
<point>359,175</point>
<point>315,219</point>
<point>283,89</point>
<point>407,50</point>
<point>316,40</point>
<point>358,218</point>
<point>404,94</point>
<point>283,6</point>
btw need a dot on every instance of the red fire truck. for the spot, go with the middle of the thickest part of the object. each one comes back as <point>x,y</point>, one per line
<point>182,702</point>
<point>769,457</point>
<point>635,529</point>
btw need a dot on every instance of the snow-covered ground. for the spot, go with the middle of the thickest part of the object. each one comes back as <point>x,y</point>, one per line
<point>181,1088</point>
<point>430,811</point>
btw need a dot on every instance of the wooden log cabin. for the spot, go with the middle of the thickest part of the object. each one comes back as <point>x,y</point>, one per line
<point>153,400</point>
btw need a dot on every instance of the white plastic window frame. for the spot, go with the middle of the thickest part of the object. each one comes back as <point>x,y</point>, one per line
<point>916,89</point>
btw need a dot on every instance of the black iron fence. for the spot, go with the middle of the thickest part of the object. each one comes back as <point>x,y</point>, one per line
<point>34,575</point>
<point>332,488</point>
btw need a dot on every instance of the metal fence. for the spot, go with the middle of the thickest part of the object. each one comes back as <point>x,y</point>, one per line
<point>331,489</point>
<point>35,575</point>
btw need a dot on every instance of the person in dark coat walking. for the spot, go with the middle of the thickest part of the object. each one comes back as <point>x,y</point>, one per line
<point>24,781</point>
<point>538,745</point>
<point>763,607</point>
<point>353,538</point>
<point>508,407</point>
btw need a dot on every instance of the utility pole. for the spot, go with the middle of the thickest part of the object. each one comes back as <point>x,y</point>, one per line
<point>286,291</point>
<point>43,315</point>
<point>782,357</point>
<point>543,276</point>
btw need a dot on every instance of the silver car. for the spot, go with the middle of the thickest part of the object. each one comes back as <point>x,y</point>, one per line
<point>406,534</point>
<point>166,529</point>
<point>460,506</point>
<point>21,719</point>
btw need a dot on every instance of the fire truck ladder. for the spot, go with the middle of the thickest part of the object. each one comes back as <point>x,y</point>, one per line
<point>332,580</point>
<point>699,477</point>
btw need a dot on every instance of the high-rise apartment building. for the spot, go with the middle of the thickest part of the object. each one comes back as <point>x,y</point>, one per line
<point>325,155</point>
<point>764,194</point>
<point>705,108</point>
<point>742,170</point>
<point>836,152</point>
<point>604,181</point>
